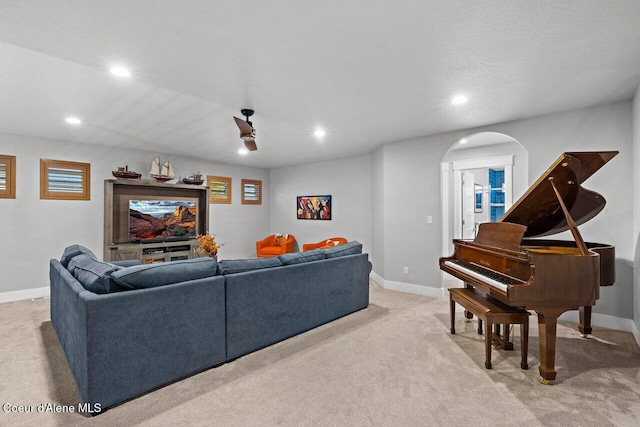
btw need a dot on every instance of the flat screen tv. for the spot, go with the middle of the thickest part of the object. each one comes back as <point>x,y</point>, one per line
<point>162,219</point>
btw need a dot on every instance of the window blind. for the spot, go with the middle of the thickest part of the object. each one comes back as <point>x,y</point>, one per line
<point>65,180</point>
<point>251,192</point>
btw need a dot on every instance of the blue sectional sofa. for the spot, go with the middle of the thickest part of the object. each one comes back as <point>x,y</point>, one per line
<point>151,325</point>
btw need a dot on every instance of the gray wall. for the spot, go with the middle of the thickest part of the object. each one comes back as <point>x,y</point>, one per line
<point>636,208</point>
<point>346,180</point>
<point>34,231</point>
<point>382,200</point>
<point>378,218</point>
<point>412,184</point>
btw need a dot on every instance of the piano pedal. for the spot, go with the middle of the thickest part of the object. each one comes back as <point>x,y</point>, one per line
<point>467,320</point>
<point>545,382</point>
<point>585,336</point>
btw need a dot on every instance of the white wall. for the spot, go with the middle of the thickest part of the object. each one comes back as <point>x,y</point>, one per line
<point>412,186</point>
<point>347,180</point>
<point>481,177</point>
<point>520,182</point>
<point>33,231</point>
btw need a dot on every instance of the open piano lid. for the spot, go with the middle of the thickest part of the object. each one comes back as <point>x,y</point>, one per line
<point>539,210</point>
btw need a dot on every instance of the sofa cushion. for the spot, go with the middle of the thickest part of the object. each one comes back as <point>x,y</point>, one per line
<point>72,251</point>
<point>94,275</point>
<point>165,273</point>
<point>350,248</point>
<point>300,257</point>
<point>231,266</point>
<point>127,262</point>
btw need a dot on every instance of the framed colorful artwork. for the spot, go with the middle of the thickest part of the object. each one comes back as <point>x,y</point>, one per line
<point>314,207</point>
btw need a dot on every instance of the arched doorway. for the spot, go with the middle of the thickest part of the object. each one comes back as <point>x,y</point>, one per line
<point>481,175</point>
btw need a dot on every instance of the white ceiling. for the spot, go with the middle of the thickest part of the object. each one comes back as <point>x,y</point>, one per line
<point>368,71</point>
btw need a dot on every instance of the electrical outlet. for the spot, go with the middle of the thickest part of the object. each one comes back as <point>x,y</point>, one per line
<point>429,219</point>
<point>406,270</point>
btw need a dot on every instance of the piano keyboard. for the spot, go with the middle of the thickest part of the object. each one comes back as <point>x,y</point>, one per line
<point>487,276</point>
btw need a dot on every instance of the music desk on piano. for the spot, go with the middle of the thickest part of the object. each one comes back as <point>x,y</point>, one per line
<point>547,276</point>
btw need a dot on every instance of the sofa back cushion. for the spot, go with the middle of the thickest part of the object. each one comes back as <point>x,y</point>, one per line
<point>232,266</point>
<point>350,248</point>
<point>165,273</point>
<point>94,275</point>
<point>300,257</point>
<point>72,251</point>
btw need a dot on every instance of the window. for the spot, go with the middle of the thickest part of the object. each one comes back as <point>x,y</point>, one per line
<point>496,194</point>
<point>7,177</point>
<point>220,187</point>
<point>251,192</point>
<point>64,180</point>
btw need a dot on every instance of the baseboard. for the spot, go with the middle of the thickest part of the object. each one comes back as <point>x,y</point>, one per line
<point>408,288</point>
<point>25,294</point>
<point>605,321</point>
<point>599,320</point>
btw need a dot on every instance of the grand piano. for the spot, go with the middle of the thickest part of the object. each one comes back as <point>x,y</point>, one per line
<point>550,277</point>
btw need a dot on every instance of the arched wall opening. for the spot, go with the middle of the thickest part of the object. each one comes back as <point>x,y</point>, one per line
<point>474,158</point>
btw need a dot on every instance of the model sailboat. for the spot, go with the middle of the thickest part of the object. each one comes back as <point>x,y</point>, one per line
<point>161,173</point>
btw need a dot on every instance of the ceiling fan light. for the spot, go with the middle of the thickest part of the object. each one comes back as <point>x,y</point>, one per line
<point>243,151</point>
<point>319,133</point>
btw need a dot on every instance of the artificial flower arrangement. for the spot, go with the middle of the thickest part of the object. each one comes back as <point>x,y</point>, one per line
<point>208,245</point>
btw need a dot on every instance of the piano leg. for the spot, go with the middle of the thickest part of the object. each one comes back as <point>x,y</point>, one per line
<point>488,338</point>
<point>547,324</point>
<point>467,314</point>
<point>524,343</point>
<point>585,321</point>
<point>452,309</point>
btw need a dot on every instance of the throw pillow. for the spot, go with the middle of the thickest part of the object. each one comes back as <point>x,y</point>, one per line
<point>350,248</point>
<point>279,240</point>
<point>300,257</point>
<point>165,273</point>
<point>232,266</point>
<point>72,251</point>
<point>94,275</point>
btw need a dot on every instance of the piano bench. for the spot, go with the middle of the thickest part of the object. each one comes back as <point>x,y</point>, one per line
<point>491,311</point>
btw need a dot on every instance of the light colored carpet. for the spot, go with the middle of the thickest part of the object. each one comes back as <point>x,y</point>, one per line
<point>392,364</point>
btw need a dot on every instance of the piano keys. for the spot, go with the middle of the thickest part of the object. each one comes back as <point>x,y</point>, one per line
<point>547,276</point>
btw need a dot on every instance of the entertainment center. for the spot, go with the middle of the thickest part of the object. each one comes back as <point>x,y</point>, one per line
<point>152,221</point>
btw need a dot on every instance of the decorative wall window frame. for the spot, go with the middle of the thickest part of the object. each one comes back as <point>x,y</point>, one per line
<point>7,177</point>
<point>68,175</point>
<point>251,192</point>
<point>220,189</point>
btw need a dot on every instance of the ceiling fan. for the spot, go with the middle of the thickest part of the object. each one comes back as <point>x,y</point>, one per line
<point>247,132</point>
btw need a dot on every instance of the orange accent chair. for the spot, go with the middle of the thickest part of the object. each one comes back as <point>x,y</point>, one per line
<point>274,245</point>
<point>329,243</point>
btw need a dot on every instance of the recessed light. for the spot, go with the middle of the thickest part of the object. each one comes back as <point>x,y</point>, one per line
<point>459,100</point>
<point>120,71</point>
<point>73,120</point>
<point>243,151</point>
<point>463,141</point>
<point>319,133</point>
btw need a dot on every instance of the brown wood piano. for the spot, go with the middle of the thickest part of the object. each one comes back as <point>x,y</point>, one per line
<point>547,276</point>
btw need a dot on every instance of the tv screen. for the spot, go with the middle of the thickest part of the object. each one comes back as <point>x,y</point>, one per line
<point>161,219</point>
